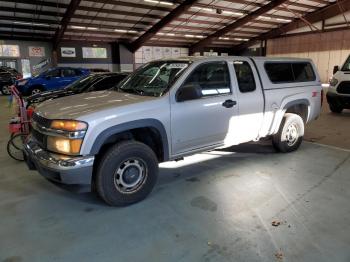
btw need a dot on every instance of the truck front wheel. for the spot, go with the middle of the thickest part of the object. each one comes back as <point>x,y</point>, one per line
<point>127,173</point>
<point>290,134</point>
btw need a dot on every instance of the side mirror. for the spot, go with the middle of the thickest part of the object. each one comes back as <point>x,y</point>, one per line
<point>189,92</point>
<point>335,69</point>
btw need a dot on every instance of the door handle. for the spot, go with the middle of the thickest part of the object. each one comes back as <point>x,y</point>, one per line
<point>229,103</point>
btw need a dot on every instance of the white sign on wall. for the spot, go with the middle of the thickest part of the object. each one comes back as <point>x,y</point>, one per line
<point>94,52</point>
<point>175,52</point>
<point>68,52</point>
<point>9,50</point>
<point>147,54</point>
<point>167,52</point>
<point>157,52</point>
<point>36,51</point>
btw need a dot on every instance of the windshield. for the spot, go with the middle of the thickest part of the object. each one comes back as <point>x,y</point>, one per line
<point>346,66</point>
<point>81,84</point>
<point>154,78</point>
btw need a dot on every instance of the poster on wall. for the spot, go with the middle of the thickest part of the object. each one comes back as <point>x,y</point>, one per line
<point>94,52</point>
<point>157,52</point>
<point>175,52</point>
<point>147,54</point>
<point>41,66</point>
<point>36,51</point>
<point>68,52</point>
<point>167,52</point>
<point>9,50</point>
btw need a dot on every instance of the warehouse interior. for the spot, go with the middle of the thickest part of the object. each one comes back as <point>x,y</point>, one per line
<point>245,202</point>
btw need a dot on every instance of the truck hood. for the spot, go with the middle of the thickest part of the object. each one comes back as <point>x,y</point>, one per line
<point>73,107</point>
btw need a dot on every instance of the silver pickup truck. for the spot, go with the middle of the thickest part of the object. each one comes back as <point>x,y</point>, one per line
<point>113,140</point>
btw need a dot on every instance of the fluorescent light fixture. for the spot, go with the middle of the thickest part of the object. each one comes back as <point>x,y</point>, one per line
<point>170,34</point>
<point>232,13</point>
<point>159,2</point>
<point>132,32</point>
<point>92,28</point>
<point>78,27</point>
<point>264,17</point>
<point>203,9</point>
<point>283,20</point>
<point>224,38</point>
<point>120,30</point>
<point>194,36</point>
<point>29,23</point>
<point>160,34</point>
<point>241,39</point>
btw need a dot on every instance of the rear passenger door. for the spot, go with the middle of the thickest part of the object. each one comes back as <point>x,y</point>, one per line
<point>250,100</point>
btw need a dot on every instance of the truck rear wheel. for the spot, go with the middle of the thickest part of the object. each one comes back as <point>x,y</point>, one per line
<point>127,173</point>
<point>290,134</point>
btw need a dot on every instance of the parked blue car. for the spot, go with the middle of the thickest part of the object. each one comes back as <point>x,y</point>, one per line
<point>52,79</point>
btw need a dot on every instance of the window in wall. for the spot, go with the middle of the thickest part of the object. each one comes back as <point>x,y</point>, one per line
<point>94,52</point>
<point>286,72</point>
<point>213,78</point>
<point>245,76</point>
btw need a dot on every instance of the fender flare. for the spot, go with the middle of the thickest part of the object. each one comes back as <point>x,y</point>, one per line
<point>102,137</point>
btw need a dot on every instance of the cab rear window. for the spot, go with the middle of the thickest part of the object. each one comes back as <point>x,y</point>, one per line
<point>289,72</point>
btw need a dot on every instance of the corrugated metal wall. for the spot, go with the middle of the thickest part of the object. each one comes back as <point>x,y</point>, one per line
<point>325,49</point>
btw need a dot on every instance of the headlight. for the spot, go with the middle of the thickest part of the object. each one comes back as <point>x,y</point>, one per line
<point>333,82</point>
<point>68,125</point>
<point>64,145</point>
<point>66,136</point>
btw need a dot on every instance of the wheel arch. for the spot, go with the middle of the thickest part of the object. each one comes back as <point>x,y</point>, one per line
<point>134,130</point>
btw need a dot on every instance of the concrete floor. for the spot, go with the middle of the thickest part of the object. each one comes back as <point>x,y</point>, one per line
<point>217,206</point>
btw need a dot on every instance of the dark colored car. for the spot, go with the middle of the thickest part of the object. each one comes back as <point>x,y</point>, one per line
<point>8,76</point>
<point>89,83</point>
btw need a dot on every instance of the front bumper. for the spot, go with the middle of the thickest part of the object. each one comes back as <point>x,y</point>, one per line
<point>338,99</point>
<point>59,168</point>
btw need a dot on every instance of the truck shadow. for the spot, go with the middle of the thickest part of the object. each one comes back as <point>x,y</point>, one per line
<point>191,169</point>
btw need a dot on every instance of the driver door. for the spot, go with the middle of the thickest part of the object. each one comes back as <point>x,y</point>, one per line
<point>204,121</point>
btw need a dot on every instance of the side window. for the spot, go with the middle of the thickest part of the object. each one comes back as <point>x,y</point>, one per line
<point>279,72</point>
<point>54,73</point>
<point>245,76</point>
<point>106,83</point>
<point>211,78</point>
<point>68,72</point>
<point>78,72</point>
<point>303,72</point>
<point>290,72</point>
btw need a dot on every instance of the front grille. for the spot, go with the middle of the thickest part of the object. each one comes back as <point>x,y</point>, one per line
<point>39,138</point>
<point>344,88</point>
<point>42,121</point>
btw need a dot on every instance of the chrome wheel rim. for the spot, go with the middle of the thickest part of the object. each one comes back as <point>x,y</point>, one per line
<point>130,176</point>
<point>6,90</point>
<point>36,91</point>
<point>292,134</point>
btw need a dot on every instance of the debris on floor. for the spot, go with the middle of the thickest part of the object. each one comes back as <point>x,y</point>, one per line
<point>279,255</point>
<point>277,223</point>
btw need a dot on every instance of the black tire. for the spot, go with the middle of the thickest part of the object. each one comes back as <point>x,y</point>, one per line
<point>290,134</point>
<point>134,160</point>
<point>15,146</point>
<point>335,108</point>
<point>5,90</point>
<point>35,90</point>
